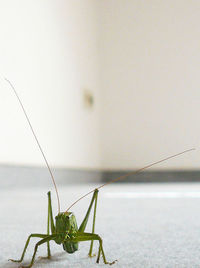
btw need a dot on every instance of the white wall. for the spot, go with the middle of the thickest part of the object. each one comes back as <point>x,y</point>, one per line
<point>48,49</point>
<point>139,58</point>
<point>150,55</point>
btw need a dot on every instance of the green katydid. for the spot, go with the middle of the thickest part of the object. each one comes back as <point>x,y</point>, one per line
<point>65,230</point>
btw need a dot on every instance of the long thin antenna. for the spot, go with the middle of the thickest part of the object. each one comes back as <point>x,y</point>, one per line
<point>130,173</point>
<point>45,159</point>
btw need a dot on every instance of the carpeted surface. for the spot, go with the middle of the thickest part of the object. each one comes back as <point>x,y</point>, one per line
<point>142,225</point>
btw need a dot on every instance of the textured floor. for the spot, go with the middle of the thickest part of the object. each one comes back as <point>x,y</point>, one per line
<point>142,225</point>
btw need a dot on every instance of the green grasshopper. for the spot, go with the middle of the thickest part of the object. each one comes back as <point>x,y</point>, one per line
<point>65,230</point>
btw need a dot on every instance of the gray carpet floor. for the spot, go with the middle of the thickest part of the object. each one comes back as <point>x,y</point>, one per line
<point>142,225</point>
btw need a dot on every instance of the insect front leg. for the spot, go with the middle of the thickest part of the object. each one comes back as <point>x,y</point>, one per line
<point>44,240</point>
<point>85,220</point>
<point>26,245</point>
<point>91,237</point>
<point>50,223</point>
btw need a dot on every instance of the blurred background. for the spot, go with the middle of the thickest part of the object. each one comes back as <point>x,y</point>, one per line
<point>109,86</point>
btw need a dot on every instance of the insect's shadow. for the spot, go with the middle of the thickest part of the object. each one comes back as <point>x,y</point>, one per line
<point>39,260</point>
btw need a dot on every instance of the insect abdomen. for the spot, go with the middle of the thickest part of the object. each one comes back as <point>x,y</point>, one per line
<point>70,247</point>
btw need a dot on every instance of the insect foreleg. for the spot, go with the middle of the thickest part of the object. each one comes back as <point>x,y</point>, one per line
<point>85,220</point>
<point>26,245</point>
<point>90,237</point>
<point>44,240</point>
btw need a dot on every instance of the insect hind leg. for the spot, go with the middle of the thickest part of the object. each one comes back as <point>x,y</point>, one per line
<point>85,220</point>
<point>50,224</point>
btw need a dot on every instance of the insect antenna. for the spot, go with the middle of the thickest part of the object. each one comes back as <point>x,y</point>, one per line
<point>33,132</point>
<point>130,173</point>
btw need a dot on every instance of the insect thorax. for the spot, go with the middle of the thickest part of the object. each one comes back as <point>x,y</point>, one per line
<point>66,229</point>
